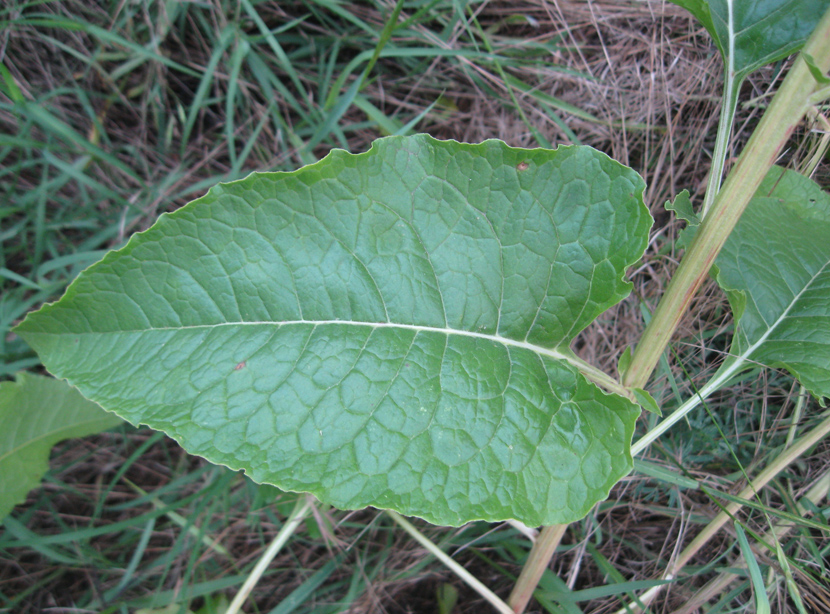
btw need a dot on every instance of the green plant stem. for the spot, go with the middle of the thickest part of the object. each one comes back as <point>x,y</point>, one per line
<point>537,561</point>
<point>298,514</point>
<point>714,384</point>
<point>727,118</point>
<point>781,462</point>
<point>598,376</point>
<point>784,113</point>
<point>457,569</point>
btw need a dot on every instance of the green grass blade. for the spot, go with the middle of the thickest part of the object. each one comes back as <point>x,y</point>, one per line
<point>225,39</point>
<point>759,590</point>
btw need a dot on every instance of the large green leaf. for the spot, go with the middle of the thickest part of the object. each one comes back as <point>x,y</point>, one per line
<point>386,329</point>
<point>775,268</point>
<point>36,413</point>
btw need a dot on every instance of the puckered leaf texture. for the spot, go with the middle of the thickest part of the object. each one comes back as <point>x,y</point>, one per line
<point>387,329</point>
<point>775,268</point>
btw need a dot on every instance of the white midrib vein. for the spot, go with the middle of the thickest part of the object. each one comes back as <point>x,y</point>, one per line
<point>784,314</point>
<point>597,376</point>
<point>550,353</point>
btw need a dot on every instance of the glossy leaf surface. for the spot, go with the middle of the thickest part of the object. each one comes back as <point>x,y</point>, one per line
<point>36,413</point>
<point>775,268</point>
<point>386,329</point>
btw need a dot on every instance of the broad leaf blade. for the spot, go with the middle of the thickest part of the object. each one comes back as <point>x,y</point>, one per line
<point>386,329</point>
<point>776,269</point>
<point>36,413</point>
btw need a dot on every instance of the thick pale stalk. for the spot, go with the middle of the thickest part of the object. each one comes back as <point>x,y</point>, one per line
<point>537,562</point>
<point>784,113</point>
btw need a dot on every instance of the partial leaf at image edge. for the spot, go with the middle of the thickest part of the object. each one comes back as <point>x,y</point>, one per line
<point>387,329</point>
<point>36,413</point>
<point>775,268</point>
<point>750,35</point>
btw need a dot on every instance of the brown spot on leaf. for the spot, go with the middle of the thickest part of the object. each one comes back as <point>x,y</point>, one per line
<point>522,166</point>
<point>241,365</point>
